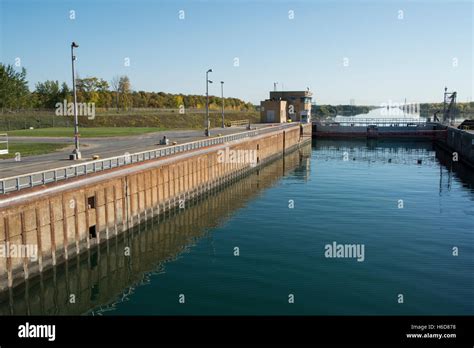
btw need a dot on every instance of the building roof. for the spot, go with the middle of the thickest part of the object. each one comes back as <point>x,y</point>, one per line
<point>305,92</point>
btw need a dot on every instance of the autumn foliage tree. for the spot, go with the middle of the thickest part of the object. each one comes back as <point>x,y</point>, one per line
<point>14,94</point>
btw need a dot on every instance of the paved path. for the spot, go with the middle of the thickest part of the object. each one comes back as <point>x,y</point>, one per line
<point>104,147</point>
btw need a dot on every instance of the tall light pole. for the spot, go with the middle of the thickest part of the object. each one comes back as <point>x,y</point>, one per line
<point>76,153</point>
<point>207,133</point>
<point>222,95</point>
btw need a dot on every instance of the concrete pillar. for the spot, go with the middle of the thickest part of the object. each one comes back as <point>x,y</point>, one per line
<point>53,234</point>
<point>23,242</point>
<point>38,239</point>
<point>65,227</point>
<point>86,207</point>
<point>9,259</point>
<point>106,202</point>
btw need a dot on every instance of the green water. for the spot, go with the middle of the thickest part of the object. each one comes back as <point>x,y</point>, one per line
<point>346,192</point>
<point>347,199</point>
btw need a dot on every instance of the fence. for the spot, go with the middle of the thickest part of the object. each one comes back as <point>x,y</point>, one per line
<point>29,180</point>
<point>239,123</point>
<point>132,118</point>
<point>3,144</point>
<point>35,120</point>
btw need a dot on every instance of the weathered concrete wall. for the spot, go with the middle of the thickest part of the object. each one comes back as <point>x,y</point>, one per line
<point>69,218</point>
<point>103,273</point>
<point>462,142</point>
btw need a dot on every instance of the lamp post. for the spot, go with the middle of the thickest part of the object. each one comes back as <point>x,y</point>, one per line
<point>207,132</point>
<point>76,153</point>
<point>222,95</point>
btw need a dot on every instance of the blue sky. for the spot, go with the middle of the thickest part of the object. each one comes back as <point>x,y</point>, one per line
<point>388,58</point>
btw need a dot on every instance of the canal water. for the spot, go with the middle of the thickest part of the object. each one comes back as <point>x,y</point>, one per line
<point>259,245</point>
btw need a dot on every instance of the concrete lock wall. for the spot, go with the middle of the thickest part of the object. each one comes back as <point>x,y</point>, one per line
<point>462,142</point>
<point>103,273</point>
<point>65,221</point>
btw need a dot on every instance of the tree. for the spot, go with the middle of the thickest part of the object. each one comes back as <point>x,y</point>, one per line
<point>48,94</point>
<point>65,92</point>
<point>91,88</point>
<point>14,90</point>
<point>124,90</point>
<point>178,101</point>
<point>14,94</point>
<point>115,83</point>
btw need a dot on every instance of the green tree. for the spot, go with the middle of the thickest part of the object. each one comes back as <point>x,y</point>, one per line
<point>14,90</point>
<point>124,89</point>
<point>65,92</point>
<point>91,88</point>
<point>47,94</point>
<point>178,101</point>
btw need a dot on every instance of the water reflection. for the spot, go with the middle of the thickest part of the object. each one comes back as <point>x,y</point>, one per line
<point>457,168</point>
<point>102,277</point>
<point>397,151</point>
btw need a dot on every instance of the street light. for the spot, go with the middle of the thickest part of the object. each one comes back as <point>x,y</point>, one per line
<point>76,153</point>
<point>207,132</point>
<point>222,95</point>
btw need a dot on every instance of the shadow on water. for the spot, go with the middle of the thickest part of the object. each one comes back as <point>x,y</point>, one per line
<point>454,168</point>
<point>108,274</point>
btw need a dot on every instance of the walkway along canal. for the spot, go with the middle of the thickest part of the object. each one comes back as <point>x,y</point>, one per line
<point>103,275</point>
<point>66,218</point>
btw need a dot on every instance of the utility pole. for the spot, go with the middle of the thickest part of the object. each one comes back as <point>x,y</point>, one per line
<point>76,153</point>
<point>222,95</point>
<point>207,132</point>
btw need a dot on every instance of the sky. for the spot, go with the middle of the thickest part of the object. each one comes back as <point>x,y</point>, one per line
<point>367,52</point>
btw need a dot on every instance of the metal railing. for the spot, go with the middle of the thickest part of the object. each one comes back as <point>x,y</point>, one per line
<point>17,183</point>
<point>3,144</point>
<point>354,121</point>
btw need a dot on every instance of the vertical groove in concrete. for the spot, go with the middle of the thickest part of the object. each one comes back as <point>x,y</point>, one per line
<point>52,230</point>
<point>162,188</point>
<point>106,213</point>
<point>6,222</point>
<point>124,219</point>
<point>97,219</point>
<point>76,226</point>
<point>23,242</point>
<point>115,209</point>
<point>65,228</point>
<point>86,213</point>
<point>38,239</point>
